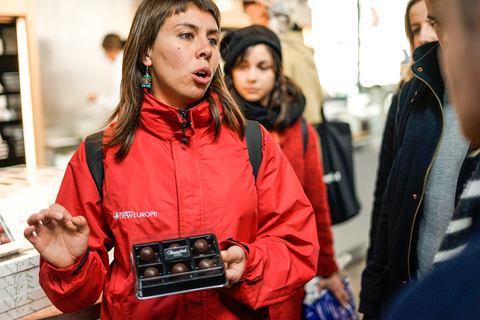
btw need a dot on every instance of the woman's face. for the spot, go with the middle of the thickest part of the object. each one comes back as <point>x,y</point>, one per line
<point>184,58</point>
<point>253,78</point>
<point>420,26</point>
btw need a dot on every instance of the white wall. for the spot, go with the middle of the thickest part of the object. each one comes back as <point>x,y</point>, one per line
<point>72,61</point>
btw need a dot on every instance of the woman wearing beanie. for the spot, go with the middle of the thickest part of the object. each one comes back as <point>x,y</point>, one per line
<point>254,77</point>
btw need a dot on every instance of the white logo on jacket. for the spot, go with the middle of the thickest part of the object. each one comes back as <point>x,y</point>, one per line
<point>133,215</point>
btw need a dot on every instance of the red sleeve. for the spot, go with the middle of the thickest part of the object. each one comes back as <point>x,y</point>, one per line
<point>79,195</point>
<point>284,255</point>
<point>316,191</point>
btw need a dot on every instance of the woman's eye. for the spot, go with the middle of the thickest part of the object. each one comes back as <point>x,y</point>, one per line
<point>264,67</point>
<point>213,41</point>
<point>187,36</point>
<point>415,31</point>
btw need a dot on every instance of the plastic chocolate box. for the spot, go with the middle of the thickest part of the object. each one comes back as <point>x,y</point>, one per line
<point>171,264</point>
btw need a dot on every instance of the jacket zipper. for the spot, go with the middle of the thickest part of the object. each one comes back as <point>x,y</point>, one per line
<point>424,181</point>
<point>183,114</point>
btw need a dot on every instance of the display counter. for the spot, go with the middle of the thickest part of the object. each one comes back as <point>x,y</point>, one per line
<point>23,191</point>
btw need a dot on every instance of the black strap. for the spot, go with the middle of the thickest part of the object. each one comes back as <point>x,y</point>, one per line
<point>253,136</point>
<point>94,154</point>
<point>304,135</point>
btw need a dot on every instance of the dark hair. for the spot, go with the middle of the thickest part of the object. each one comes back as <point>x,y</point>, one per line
<point>112,42</point>
<point>284,90</point>
<point>149,18</point>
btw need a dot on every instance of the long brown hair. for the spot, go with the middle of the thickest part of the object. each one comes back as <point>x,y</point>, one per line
<point>149,18</point>
<point>284,92</point>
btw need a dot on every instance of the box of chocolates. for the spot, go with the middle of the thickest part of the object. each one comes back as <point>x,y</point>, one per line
<point>172,264</point>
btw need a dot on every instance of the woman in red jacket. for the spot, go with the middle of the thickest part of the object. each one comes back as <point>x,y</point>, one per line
<point>176,160</point>
<point>253,74</point>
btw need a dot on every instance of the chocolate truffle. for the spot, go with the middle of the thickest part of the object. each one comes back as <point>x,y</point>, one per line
<point>201,247</point>
<point>151,272</point>
<point>205,264</point>
<point>179,268</point>
<point>174,245</point>
<point>148,255</point>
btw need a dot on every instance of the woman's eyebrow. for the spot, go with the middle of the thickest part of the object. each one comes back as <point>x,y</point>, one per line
<point>195,27</point>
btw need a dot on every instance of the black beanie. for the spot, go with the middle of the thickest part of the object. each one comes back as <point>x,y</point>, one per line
<point>238,40</point>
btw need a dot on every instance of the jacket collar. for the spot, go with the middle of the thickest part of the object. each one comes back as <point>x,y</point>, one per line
<point>426,67</point>
<point>163,120</point>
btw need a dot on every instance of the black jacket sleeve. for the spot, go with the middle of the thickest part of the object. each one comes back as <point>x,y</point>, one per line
<point>385,164</point>
<point>374,276</point>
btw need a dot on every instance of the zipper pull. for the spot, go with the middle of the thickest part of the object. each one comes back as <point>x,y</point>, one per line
<point>183,114</point>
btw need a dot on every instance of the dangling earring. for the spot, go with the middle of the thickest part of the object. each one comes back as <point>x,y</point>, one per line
<point>146,80</point>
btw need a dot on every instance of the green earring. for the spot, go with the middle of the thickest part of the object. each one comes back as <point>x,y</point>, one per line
<point>146,80</point>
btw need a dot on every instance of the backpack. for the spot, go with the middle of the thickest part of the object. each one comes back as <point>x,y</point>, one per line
<point>94,152</point>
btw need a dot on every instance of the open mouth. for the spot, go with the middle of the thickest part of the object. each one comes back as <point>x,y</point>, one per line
<point>201,74</point>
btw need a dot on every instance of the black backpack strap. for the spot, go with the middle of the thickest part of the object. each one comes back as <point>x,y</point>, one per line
<point>253,136</point>
<point>94,155</point>
<point>304,135</point>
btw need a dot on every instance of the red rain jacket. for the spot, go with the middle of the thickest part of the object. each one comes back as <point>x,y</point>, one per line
<point>168,186</point>
<point>309,169</point>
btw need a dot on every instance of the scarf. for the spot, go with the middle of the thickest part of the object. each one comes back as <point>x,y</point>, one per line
<point>268,117</point>
<point>456,237</point>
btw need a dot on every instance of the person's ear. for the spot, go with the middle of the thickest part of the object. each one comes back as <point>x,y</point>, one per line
<point>147,60</point>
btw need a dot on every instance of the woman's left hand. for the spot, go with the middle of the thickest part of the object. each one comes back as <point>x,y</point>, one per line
<point>335,285</point>
<point>234,259</point>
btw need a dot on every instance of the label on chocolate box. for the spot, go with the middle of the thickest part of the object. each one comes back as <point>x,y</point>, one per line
<point>176,253</point>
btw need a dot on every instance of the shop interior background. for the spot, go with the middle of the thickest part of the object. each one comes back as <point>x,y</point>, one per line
<point>359,47</point>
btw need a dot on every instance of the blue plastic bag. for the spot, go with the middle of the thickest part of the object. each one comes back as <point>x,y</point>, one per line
<point>324,305</point>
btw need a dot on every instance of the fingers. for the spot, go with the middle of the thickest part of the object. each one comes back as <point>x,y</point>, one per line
<point>28,233</point>
<point>59,212</point>
<point>341,296</point>
<point>54,212</point>
<point>335,285</point>
<point>224,255</point>
<point>234,259</point>
<point>35,218</point>
<point>233,254</point>
<point>81,224</point>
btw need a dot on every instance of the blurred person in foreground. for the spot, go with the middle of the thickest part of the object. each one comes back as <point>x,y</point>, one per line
<point>451,291</point>
<point>430,164</point>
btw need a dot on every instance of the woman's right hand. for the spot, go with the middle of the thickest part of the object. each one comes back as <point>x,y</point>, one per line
<point>57,236</point>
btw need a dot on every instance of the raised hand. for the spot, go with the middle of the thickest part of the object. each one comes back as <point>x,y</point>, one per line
<point>57,236</point>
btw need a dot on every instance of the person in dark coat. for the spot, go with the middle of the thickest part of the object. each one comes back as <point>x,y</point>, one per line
<point>451,290</point>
